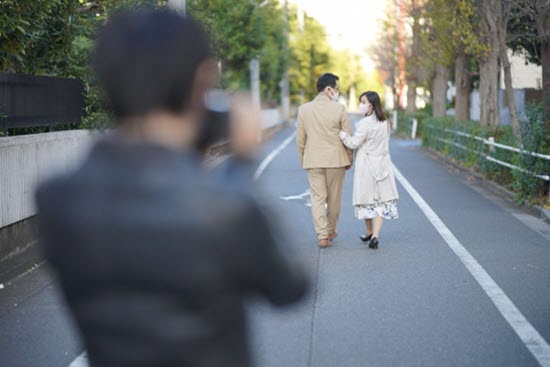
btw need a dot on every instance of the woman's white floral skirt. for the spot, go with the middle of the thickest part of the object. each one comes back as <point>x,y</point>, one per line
<point>386,210</point>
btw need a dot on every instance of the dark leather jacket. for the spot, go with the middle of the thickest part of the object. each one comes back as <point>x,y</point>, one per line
<point>155,257</point>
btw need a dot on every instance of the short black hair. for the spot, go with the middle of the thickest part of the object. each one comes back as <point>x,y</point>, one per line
<point>326,80</point>
<point>146,60</point>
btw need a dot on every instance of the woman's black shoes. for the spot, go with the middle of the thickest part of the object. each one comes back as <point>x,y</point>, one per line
<point>366,238</point>
<point>374,243</point>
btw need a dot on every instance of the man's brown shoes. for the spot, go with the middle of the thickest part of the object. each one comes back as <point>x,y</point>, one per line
<point>324,242</point>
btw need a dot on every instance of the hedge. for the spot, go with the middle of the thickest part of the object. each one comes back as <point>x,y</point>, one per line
<point>464,143</point>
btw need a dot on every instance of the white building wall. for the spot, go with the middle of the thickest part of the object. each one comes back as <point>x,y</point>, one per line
<point>27,160</point>
<point>475,111</point>
<point>524,76</point>
<point>270,118</point>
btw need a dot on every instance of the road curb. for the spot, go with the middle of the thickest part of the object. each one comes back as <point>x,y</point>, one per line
<point>501,191</point>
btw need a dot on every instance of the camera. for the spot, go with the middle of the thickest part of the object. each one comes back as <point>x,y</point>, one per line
<point>215,126</point>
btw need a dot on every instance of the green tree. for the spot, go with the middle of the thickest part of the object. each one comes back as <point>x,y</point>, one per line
<point>241,30</point>
<point>468,49</point>
<point>35,36</point>
<point>529,34</point>
<point>310,56</point>
<point>384,54</point>
<point>354,79</point>
<point>438,41</point>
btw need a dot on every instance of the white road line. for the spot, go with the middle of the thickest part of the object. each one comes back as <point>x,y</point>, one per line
<point>526,332</point>
<point>297,197</point>
<point>80,361</point>
<point>272,155</point>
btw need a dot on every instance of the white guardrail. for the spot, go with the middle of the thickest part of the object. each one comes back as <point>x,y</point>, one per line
<point>492,145</point>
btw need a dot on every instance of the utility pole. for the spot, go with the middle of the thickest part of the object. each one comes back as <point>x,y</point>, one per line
<point>177,5</point>
<point>254,68</point>
<point>401,79</point>
<point>255,82</point>
<point>285,87</point>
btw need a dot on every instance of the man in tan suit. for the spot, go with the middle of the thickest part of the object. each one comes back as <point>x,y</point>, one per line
<point>323,155</point>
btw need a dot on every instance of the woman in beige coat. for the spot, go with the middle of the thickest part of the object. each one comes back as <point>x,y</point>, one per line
<point>374,190</point>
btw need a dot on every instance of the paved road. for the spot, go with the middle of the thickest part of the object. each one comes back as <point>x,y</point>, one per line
<point>411,303</point>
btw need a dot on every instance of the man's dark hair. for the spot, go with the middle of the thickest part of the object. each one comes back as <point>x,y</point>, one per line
<point>326,80</point>
<point>146,60</point>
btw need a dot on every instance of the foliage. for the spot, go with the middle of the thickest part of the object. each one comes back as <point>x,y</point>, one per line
<point>464,28</point>
<point>346,66</point>
<point>451,27</point>
<point>56,37</point>
<point>383,52</point>
<point>428,108</point>
<point>524,39</point>
<point>353,76</point>
<point>309,56</point>
<point>241,30</point>
<point>405,122</point>
<point>532,131</point>
<point>523,35</point>
<point>36,35</point>
<point>464,148</point>
<point>436,33</point>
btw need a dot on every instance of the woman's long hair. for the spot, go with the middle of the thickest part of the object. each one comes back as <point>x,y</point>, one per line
<point>374,100</point>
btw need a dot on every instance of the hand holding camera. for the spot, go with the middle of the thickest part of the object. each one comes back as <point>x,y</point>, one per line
<point>231,118</point>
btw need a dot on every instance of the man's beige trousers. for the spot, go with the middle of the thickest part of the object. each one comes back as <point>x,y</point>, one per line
<point>326,185</point>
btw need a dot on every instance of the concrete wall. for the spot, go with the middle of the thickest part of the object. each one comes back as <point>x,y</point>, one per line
<point>270,118</point>
<point>27,160</point>
<point>504,114</point>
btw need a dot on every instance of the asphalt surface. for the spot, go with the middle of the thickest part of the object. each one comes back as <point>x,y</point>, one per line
<point>410,303</point>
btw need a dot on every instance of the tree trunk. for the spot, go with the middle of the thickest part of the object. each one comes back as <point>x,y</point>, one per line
<point>507,69</point>
<point>439,96</point>
<point>411,96</point>
<point>401,62</point>
<point>394,91</point>
<point>488,91</point>
<point>545,57</point>
<point>543,30</point>
<point>412,65</point>
<point>488,66</point>
<point>509,90</point>
<point>463,88</point>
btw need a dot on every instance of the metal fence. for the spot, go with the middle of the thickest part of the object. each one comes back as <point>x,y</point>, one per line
<point>452,137</point>
<point>28,101</point>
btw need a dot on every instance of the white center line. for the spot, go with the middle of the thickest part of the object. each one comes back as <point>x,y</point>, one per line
<point>297,197</point>
<point>526,332</point>
<point>272,155</point>
<point>80,361</point>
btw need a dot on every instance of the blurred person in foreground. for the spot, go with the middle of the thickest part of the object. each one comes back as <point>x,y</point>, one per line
<point>154,254</point>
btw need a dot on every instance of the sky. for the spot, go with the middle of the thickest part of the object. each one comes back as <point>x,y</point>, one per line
<point>350,24</point>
